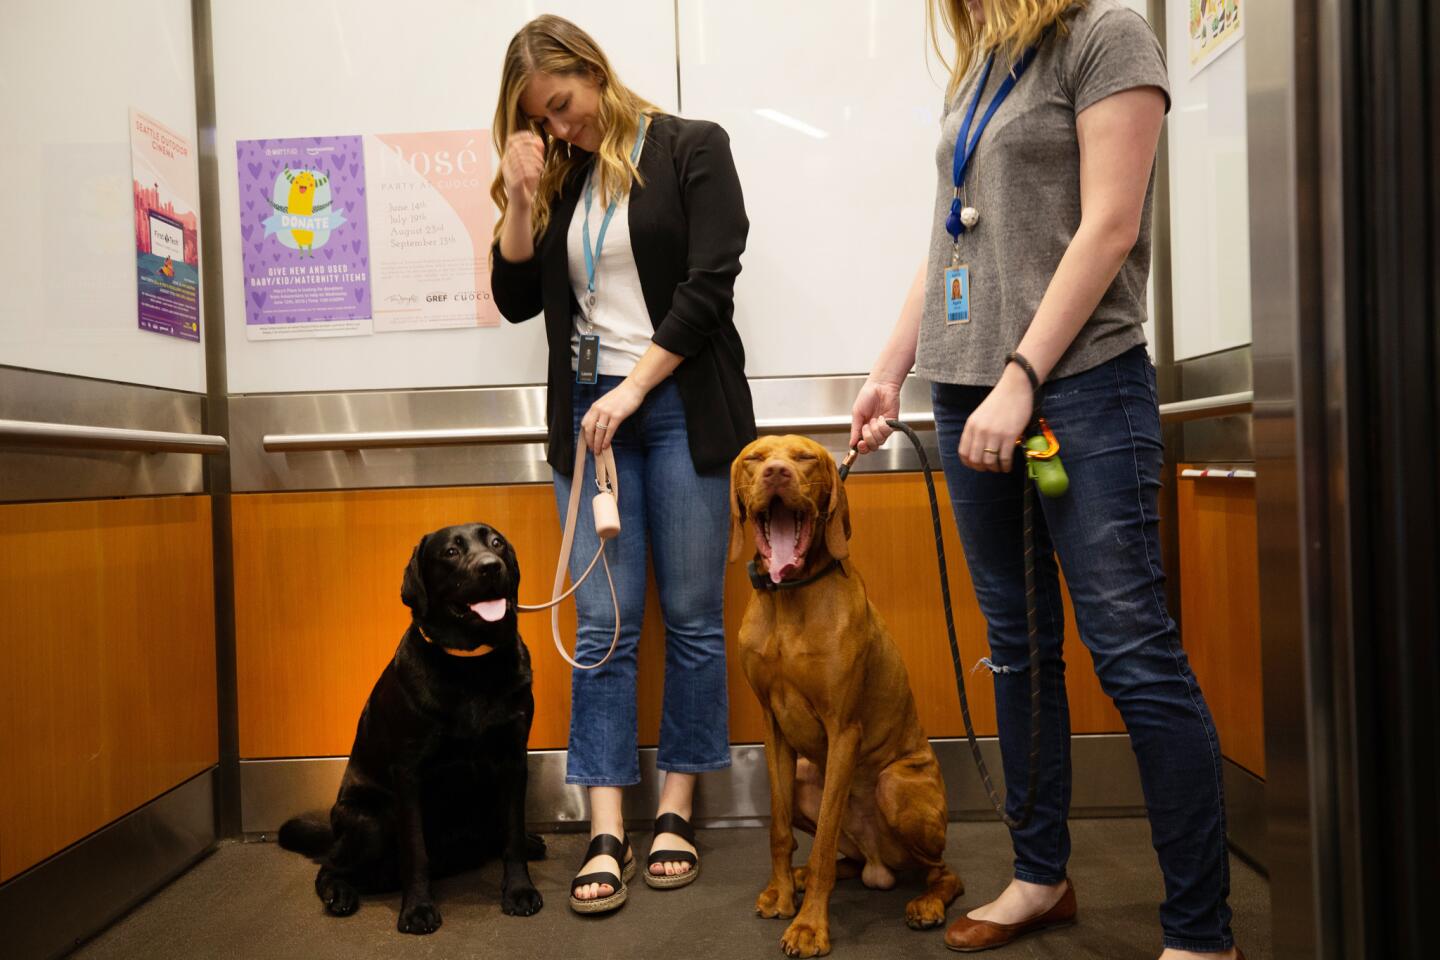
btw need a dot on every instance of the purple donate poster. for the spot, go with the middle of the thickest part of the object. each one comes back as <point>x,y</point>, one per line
<point>304,235</point>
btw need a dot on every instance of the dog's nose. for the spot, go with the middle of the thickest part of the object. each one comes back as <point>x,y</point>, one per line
<point>775,470</point>
<point>490,564</point>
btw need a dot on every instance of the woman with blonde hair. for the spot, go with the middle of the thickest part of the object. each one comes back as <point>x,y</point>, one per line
<point>624,226</point>
<point>1046,164</point>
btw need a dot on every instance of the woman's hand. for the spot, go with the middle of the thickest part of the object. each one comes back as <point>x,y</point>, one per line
<point>988,442</point>
<point>521,166</point>
<point>605,415</point>
<point>878,401</point>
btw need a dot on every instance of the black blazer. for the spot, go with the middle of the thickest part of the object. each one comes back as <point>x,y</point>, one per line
<point>688,229</point>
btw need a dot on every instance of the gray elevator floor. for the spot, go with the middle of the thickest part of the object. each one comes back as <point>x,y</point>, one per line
<point>257,901</point>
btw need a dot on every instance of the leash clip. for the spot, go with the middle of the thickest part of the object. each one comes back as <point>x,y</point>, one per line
<point>1052,444</point>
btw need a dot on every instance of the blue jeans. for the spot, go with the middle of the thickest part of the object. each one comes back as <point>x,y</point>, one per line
<point>685,516</point>
<point>1106,532</point>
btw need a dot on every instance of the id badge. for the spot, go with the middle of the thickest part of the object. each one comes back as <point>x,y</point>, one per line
<point>957,294</point>
<point>588,368</point>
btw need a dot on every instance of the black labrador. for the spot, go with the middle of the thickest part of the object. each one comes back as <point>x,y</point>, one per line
<point>436,779</point>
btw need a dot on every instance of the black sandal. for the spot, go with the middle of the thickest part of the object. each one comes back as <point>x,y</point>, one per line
<point>605,844</point>
<point>678,825</point>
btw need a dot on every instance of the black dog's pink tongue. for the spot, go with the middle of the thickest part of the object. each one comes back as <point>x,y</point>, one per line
<point>489,610</point>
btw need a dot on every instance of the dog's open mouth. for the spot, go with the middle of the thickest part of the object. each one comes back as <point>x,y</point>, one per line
<point>782,536</point>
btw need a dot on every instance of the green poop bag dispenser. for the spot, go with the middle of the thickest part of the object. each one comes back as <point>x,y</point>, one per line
<point>1042,461</point>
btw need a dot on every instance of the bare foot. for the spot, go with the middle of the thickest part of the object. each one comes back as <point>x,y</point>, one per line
<point>605,817</point>
<point>670,842</point>
<point>601,864</point>
<point>1021,901</point>
<point>677,795</point>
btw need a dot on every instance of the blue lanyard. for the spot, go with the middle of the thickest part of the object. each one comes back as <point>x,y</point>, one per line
<point>591,258</point>
<point>965,146</point>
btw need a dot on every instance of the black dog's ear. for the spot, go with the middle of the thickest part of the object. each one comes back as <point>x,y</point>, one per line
<point>412,588</point>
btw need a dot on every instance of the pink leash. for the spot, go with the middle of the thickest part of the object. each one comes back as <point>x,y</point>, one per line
<point>607,526</point>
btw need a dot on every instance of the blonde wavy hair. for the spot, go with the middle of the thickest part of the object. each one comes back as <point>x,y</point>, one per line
<point>1011,27</point>
<point>554,45</point>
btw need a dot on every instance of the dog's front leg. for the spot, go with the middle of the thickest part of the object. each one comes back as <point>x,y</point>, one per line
<point>809,934</point>
<point>418,913</point>
<point>778,899</point>
<point>518,896</point>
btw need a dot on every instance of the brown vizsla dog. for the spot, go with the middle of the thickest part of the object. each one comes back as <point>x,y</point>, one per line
<point>848,760</point>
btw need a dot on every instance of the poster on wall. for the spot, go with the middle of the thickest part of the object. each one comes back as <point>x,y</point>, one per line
<point>167,228</point>
<point>304,236</point>
<point>431,230</point>
<point>1215,26</point>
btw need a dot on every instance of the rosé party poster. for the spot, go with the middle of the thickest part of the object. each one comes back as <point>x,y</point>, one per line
<point>430,231</point>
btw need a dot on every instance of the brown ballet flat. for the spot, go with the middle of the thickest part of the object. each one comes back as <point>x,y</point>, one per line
<point>969,936</point>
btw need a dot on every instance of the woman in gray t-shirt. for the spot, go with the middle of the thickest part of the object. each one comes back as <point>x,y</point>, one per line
<point>1032,301</point>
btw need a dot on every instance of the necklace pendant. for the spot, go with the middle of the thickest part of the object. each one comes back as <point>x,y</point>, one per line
<point>969,216</point>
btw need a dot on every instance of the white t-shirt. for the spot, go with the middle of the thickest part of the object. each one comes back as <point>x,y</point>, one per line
<point>620,317</point>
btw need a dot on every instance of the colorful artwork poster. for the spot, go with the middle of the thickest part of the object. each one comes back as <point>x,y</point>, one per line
<point>1215,26</point>
<point>167,228</point>
<point>303,230</point>
<point>431,230</point>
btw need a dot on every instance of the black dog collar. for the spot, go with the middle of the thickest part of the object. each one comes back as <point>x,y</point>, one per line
<point>759,581</point>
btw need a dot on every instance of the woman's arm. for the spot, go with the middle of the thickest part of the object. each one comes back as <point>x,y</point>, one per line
<point>715,214</point>
<point>879,399</point>
<point>514,272</point>
<point>1117,136</point>
<point>654,365</point>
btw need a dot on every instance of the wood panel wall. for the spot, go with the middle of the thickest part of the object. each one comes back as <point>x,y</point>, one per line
<point>1220,606</point>
<point>318,612</point>
<point>107,693</point>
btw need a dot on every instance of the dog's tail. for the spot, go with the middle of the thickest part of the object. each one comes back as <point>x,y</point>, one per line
<point>308,836</point>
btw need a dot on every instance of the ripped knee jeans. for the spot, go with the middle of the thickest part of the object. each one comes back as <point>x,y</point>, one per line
<point>1104,532</point>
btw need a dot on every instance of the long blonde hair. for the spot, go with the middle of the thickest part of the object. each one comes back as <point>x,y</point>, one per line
<point>554,45</point>
<point>1011,27</point>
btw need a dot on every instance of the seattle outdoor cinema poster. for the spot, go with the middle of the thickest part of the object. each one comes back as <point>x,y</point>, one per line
<point>166,191</point>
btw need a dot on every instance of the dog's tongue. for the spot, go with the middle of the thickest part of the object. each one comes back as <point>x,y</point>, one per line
<point>489,610</point>
<point>783,538</point>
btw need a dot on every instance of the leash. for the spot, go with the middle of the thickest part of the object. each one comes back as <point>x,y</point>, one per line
<point>1041,453</point>
<point>606,512</point>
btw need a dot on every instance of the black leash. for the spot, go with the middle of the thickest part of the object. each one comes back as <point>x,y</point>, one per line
<point>1032,618</point>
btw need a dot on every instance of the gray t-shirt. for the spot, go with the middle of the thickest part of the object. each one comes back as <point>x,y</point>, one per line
<point>1024,182</point>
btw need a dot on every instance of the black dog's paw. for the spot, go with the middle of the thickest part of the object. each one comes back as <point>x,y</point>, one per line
<point>534,847</point>
<point>339,897</point>
<point>521,902</point>
<point>422,917</point>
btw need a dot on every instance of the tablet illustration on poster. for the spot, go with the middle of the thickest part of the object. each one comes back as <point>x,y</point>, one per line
<point>431,230</point>
<point>167,228</point>
<point>304,236</point>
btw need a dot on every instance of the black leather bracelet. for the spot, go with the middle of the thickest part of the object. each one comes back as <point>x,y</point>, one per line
<point>1018,357</point>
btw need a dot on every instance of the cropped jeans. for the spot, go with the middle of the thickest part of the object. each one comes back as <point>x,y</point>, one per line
<point>681,518</point>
